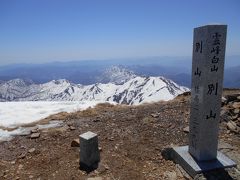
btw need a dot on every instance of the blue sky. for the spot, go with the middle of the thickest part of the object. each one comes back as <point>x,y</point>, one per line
<point>63,30</point>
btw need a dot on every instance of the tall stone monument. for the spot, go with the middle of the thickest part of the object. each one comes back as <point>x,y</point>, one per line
<point>207,81</point>
<point>207,78</point>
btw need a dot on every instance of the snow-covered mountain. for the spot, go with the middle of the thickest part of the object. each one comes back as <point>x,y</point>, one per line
<point>116,75</point>
<point>134,91</point>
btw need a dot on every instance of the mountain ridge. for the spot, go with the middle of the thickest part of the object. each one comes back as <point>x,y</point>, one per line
<point>136,90</point>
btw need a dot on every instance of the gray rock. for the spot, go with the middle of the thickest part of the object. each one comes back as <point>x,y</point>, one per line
<point>20,166</point>
<point>224,100</point>
<point>186,129</point>
<point>35,135</point>
<point>72,128</point>
<point>170,175</point>
<point>34,130</point>
<point>232,126</point>
<point>223,146</point>
<point>224,114</point>
<point>236,111</point>
<point>236,105</point>
<point>95,178</point>
<point>31,150</point>
<point>31,176</point>
<point>155,115</point>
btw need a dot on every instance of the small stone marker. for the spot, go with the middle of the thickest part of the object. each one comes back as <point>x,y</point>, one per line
<point>89,152</point>
<point>206,92</point>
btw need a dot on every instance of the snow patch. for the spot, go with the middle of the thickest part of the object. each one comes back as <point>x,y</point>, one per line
<point>6,135</point>
<point>15,114</point>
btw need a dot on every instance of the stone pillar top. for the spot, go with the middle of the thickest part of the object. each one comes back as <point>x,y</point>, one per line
<point>88,135</point>
<point>213,24</point>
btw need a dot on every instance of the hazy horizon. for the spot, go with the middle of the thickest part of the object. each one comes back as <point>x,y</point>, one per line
<point>231,60</point>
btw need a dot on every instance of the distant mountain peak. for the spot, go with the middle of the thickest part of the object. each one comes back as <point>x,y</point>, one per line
<point>20,82</point>
<point>116,74</point>
<point>60,81</point>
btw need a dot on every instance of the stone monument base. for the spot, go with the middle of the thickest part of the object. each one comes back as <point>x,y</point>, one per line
<point>87,168</point>
<point>193,167</point>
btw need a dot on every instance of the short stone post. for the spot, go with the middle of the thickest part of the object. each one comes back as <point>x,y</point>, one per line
<point>207,81</point>
<point>89,152</point>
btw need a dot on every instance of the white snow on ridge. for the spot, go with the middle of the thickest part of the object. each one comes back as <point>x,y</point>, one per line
<point>135,91</point>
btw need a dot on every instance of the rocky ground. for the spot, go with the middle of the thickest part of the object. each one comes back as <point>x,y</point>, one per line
<point>132,142</point>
